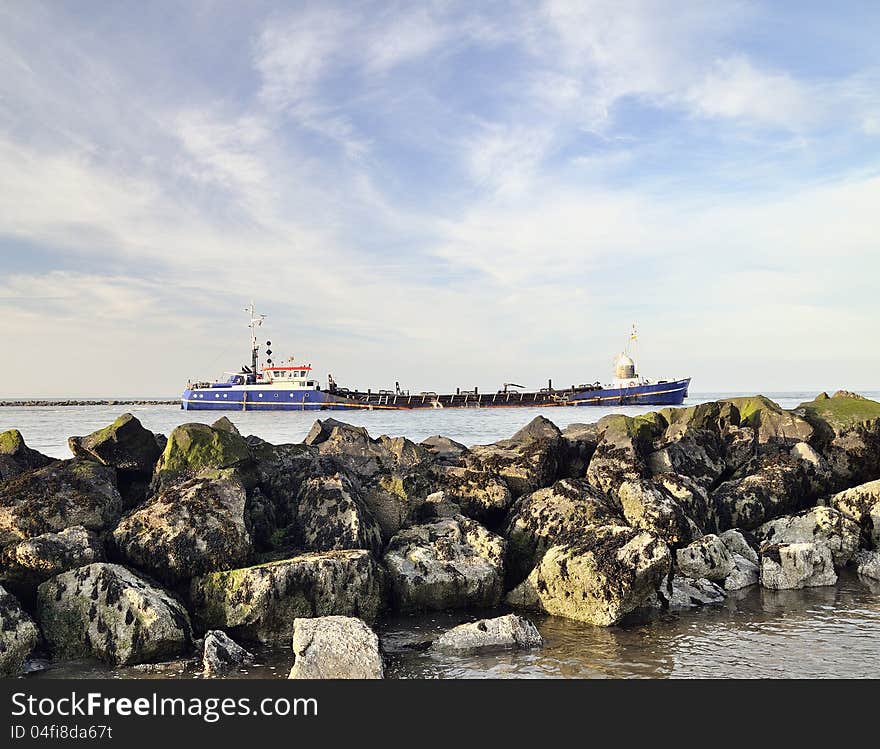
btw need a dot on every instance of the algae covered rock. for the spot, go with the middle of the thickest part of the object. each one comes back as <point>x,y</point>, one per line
<point>482,495</point>
<point>125,444</point>
<point>108,612</point>
<point>335,647</point>
<point>707,558</point>
<point>352,448</point>
<point>221,653</point>
<point>526,462</point>
<point>16,457</point>
<point>61,495</point>
<point>547,516</point>
<point>771,422</point>
<point>18,635</point>
<point>192,448</point>
<point>619,455</point>
<point>445,450</point>
<point>510,632</point>
<point>450,563</point>
<point>862,504</point>
<point>36,559</point>
<point>261,602</point>
<point>800,565</point>
<point>330,514</point>
<point>648,505</point>
<point>818,525</point>
<point>579,442</point>
<point>600,578</point>
<point>868,563</point>
<point>195,526</point>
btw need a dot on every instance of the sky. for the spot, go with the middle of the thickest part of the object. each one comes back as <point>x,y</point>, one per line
<point>439,193</point>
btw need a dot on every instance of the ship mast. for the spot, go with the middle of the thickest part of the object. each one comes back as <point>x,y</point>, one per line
<point>634,348</point>
<point>255,322</point>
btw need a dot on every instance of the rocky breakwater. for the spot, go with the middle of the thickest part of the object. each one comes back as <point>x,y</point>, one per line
<point>142,548</point>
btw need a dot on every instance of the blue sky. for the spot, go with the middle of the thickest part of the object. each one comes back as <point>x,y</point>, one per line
<point>439,193</point>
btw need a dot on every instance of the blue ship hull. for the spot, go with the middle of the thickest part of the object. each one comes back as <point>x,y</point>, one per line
<point>230,398</point>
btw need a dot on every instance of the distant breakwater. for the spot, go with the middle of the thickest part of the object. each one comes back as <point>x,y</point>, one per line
<point>110,402</point>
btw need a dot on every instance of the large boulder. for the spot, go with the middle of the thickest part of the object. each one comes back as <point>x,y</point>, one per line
<point>547,517</point>
<point>63,494</point>
<point>330,515</point>
<point>745,573</point>
<point>707,558</point>
<point>36,559</point>
<point>527,461</point>
<point>818,525</point>
<point>335,647</point>
<point>847,432</point>
<point>649,506</point>
<point>800,565</point>
<point>579,442</point>
<point>395,498</point>
<point>192,448</point>
<point>16,457</point>
<point>619,455</point>
<point>125,445</point>
<point>261,602</point>
<point>482,495</point>
<point>18,635</point>
<point>683,593</point>
<point>352,448</point>
<point>509,632</point>
<point>691,497</point>
<point>221,653</point>
<point>195,526</point>
<point>772,423</point>
<point>862,504</point>
<point>450,563</point>
<point>607,573</point>
<point>108,612</point>
<point>445,450</point>
<point>868,564</point>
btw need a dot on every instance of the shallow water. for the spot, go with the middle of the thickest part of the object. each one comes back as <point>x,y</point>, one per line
<point>47,428</point>
<point>757,633</point>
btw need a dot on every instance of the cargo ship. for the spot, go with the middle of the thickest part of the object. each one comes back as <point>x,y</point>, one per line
<point>292,386</point>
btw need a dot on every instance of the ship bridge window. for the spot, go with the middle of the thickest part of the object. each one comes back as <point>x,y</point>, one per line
<point>311,383</point>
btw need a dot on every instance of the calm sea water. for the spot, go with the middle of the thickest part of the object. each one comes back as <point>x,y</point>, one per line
<point>757,633</point>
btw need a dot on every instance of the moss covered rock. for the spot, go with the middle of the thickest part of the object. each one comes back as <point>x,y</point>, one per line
<point>600,578</point>
<point>450,563</point>
<point>16,457</point>
<point>771,422</point>
<point>481,495</point>
<point>35,560</point>
<point>61,495</point>
<point>192,527</point>
<point>547,517</point>
<point>818,525</point>
<point>650,506</point>
<point>108,612</point>
<point>262,601</point>
<point>125,445</point>
<point>620,453</point>
<point>194,447</point>
<point>18,635</point>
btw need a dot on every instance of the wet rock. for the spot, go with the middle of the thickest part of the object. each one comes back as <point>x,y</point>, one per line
<point>526,462</point>
<point>195,526</point>
<point>737,543</point>
<point>61,495</point>
<point>800,565</point>
<point>261,602</point>
<point>221,653</point>
<point>619,455</point>
<point>108,612</point>
<point>16,457</point>
<point>648,505</point>
<point>437,506</point>
<point>482,495</point>
<point>445,450</point>
<point>510,632</point>
<point>548,516</point>
<point>707,557</point>
<point>192,448</point>
<point>868,563</point>
<point>450,563</point>
<point>772,486</point>
<point>600,578</point>
<point>579,442</point>
<point>395,499</point>
<point>35,560</point>
<point>819,525</point>
<point>691,497</point>
<point>331,515</point>
<point>225,425</point>
<point>745,573</point>
<point>847,433</point>
<point>125,445</point>
<point>352,448</point>
<point>335,647</point>
<point>772,423</point>
<point>862,504</point>
<point>18,635</point>
<point>686,593</point>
